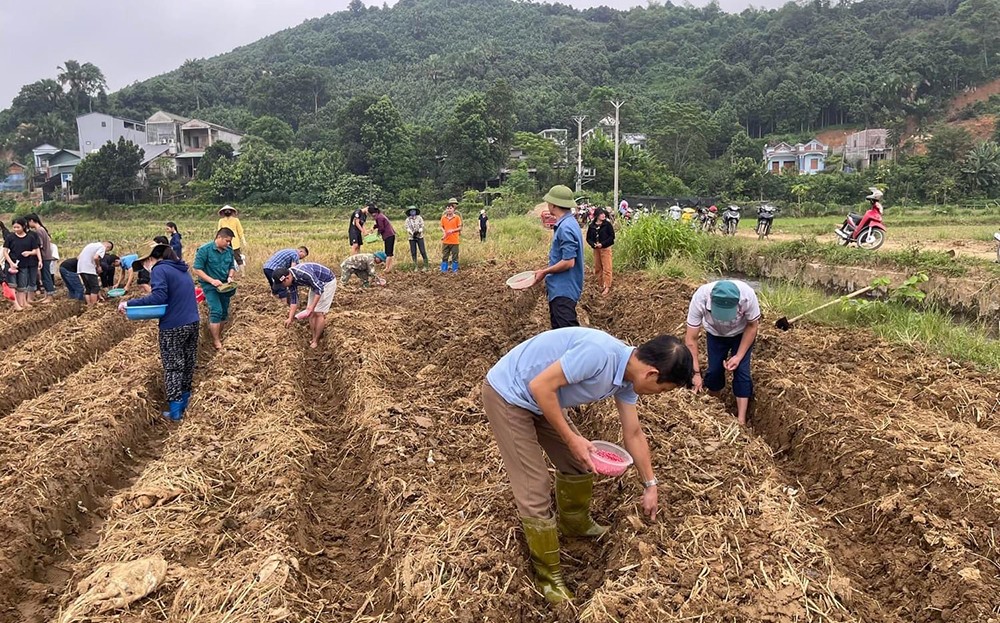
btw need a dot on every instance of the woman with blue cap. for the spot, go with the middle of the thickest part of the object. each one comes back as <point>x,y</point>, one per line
<point>730,312</point>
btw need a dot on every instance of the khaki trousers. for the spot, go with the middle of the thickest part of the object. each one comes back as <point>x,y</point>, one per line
<point>522,436</point>
<point>602,267</point>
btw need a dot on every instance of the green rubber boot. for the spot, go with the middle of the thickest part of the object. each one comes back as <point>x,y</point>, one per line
<point>573,495</point>
<point>543,543</point>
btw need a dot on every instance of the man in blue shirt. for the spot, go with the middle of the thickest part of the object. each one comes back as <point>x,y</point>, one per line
<point>564,275</point>
<point>525,397</point>
<point>322,286</point>
<point>285,258</point>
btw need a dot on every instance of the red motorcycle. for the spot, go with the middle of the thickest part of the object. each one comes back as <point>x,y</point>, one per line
<point>868,231</point>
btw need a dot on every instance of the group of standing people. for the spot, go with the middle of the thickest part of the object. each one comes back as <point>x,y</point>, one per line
<point>451,233</point>
<point>28,260</point>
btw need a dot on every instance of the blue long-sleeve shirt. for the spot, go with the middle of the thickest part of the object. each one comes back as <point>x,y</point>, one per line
<point>310,275</point>
<point>172,286</point>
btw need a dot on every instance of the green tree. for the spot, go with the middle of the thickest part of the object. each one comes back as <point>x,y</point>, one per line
<point>390,149</point>
<point>680,135</point>
<point>272,131</point>
<point>192,72</point>
<point>466,143</point>
<point>353,190</point>
<point>349,121</point>
<point>219,150</point>
<point>982,167</point>
<point>110,173</point>
<point>84,82</point>
<point>949,145</point>
<point>799,191</point>
<point>540,154</point>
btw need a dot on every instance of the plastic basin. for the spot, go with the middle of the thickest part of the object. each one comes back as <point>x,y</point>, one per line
<point>520,281</point>
<point>370,238</point>
<point>302,315</point>
<point>607,465</point>
<point>145,312</point>
<point>116,292</point>
<point>227,287</point>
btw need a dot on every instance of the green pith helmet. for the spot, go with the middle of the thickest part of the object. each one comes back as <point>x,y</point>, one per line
<point>560,196</point>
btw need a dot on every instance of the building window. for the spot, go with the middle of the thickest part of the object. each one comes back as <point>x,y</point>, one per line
<point>195,142</point>
<point>104,124</point>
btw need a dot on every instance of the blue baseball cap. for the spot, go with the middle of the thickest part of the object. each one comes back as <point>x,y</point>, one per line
<point>725,301</point>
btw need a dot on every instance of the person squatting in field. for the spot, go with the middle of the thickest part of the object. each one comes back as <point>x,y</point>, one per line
<point>526,395</point>
<point>730,312</point>
<point>363,266</point>
<point>322,285</point>
<point>172,286</point>
<point>214,267</point>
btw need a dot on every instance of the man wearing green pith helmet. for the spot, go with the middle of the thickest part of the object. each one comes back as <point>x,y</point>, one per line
<point>564,275</point>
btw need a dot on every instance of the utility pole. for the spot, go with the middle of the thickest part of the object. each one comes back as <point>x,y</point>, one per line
<point>617,104</point>
<point>579,151</point>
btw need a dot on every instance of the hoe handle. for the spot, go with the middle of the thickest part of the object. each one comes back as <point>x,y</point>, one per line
<point>829,303</point>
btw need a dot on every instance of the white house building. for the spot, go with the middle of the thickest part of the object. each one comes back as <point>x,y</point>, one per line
<point>805,158</point>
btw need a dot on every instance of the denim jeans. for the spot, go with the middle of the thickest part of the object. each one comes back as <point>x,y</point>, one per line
<point>720,349</point>
<point>72,282</point>
<point>47,282</point>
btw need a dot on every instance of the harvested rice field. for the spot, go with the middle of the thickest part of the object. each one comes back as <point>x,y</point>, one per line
<point>360,482</point>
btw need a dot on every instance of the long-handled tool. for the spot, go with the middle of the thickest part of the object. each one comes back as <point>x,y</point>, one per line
<point>785,324</point>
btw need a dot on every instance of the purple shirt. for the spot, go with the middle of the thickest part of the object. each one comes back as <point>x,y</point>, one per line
<point>383,226</point>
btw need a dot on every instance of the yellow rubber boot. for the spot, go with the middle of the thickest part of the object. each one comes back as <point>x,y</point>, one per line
<point>573,495</point>
<point>543,543</point>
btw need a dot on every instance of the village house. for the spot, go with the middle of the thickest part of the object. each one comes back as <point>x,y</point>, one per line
<point>867,147</point>
<point>805,158</point>
<point>15,179</point>
<point>96,129</point>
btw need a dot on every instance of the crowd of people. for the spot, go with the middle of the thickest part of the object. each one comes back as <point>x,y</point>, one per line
<point>527,394</point>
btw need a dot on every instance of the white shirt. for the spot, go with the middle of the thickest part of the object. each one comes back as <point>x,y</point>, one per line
<point>699,312</point>
<point>85,261</point>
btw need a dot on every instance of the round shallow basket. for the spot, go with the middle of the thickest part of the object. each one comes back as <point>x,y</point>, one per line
<point>370,238</point>
<point>145,312</point>
<point>606,466</point>
<point>116,293</point>
<point>227,287</point>
<point>521,281</point>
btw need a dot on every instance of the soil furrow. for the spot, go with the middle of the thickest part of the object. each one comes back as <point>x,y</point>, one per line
<point>20,326</point>
<point>222,502</point>
<point>35,362</point>
<point>907,496</point>
<point>61,451</point>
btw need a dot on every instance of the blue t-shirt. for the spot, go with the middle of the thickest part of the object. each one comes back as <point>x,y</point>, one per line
<point>567,244</point>
<point>128,260</point>
<point>171,286</point>
<point>593,362</point>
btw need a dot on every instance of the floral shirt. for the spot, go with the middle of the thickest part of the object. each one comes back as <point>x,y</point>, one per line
<point>415,226</point>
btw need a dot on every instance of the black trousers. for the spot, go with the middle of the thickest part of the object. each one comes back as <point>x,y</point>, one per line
<point>562,312</point>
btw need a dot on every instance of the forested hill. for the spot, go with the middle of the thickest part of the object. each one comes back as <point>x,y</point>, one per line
<point>793,69</point>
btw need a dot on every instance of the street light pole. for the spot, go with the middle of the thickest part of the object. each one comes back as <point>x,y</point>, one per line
<point>617,104</point>
<point>579,151</point>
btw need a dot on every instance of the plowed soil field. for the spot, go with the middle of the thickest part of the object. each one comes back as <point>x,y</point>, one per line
<point>360,481</point>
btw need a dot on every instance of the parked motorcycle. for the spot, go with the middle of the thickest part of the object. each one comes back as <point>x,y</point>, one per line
<point>868,231</point>
<point>731,220</point>
<point>765,216</point>
<point>709,218</point>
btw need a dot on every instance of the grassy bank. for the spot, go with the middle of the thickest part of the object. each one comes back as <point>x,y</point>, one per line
<point>930,330</point>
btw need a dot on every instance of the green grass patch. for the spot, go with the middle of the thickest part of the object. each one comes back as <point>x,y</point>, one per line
<point>931,330</point>
<point>653,240</point>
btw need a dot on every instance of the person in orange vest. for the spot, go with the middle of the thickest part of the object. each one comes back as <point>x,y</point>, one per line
<point>451,225</point>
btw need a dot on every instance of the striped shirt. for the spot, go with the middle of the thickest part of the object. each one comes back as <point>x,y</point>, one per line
<point>310,275</point>
<point>282,259</point>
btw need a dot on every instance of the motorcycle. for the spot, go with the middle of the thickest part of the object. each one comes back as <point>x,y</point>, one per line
<point>708,218</point>
<point>868,231</point>
<point>675,212</point>
<point>765,216</point>
<point>731,220</point>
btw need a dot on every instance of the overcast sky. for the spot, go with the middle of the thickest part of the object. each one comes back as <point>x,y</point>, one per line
<point>132,40</point>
